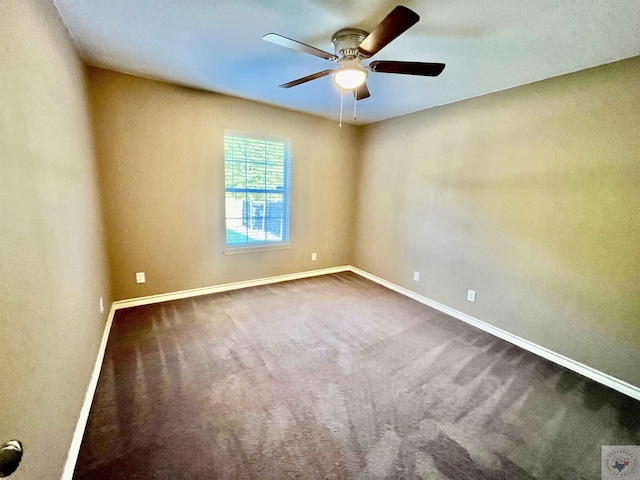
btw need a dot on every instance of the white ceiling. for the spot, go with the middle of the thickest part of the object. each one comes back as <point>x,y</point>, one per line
<point>217,45</point>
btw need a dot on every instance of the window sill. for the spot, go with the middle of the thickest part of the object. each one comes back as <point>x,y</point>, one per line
<point>256,249</point>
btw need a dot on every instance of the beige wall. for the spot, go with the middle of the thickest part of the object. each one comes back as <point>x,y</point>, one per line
<point>530,197</point>
<point>160,150</point>
<point>52,260</point>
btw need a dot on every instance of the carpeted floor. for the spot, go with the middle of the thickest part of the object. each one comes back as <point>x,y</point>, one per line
<point>336,377</point>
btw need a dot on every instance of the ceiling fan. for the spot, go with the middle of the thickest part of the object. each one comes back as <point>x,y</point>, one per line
<point>352,46</point>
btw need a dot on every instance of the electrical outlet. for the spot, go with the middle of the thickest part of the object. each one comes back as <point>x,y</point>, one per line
<point>140,277</point>
<point>101,305</point>
<point>314,256</point>
<point>416,276</point>
<point>471,295</point>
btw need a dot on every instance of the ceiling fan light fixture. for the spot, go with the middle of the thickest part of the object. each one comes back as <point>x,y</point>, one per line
<point>350,75</point>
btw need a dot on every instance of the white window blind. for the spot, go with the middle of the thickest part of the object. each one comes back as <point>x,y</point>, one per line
<point>257,174</point>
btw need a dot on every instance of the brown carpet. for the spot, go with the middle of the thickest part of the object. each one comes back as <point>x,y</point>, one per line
<point>336,377</point>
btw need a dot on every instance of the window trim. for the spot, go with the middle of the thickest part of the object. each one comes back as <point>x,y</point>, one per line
<point>264,247</point>
<point>260,246</point>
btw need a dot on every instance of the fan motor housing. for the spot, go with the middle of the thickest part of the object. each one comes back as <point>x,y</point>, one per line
<point>346,42</point>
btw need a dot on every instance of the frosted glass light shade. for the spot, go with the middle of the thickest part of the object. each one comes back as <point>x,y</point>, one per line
<point>350,76</point>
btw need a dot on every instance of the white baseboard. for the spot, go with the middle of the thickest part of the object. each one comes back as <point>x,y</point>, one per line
<point>76,442</point>
<point>194,292</point>
<point>589,372</point>
<point>596,375</point>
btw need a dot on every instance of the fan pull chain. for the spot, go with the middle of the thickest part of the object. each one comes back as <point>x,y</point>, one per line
<point>355,102</point>
<point>341,100</point>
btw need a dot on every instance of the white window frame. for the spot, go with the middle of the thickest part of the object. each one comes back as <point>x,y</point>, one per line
<point>260,246</point>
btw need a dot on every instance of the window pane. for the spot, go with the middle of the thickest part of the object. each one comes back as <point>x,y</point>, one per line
<point>234,205</point>
<point>236,232</point>
<point>275,177</point>
<point>275,153</point>
<point>239,174</point>
<point>254,170</point>
<point>275,218</point>
<point>235,174</point>
<point>256,175</point>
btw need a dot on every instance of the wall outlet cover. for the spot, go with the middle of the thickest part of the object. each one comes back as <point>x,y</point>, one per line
<point>140,277</point>
<point>416,276</point>
<point>314,256</point>
<point>471,295</point>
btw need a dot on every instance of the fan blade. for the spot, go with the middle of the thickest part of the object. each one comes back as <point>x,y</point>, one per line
<point>361,92</point>
<point>408,68</point>
<point>295,45</point>
<point>306,79</point>
<point>398,21</point>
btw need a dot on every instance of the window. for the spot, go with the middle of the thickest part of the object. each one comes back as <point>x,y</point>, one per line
<point>256,177</point>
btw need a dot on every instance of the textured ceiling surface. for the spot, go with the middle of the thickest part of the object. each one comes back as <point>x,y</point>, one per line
<point>217,45</point>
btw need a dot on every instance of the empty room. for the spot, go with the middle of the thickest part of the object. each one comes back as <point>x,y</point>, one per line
<point>319,239</point>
